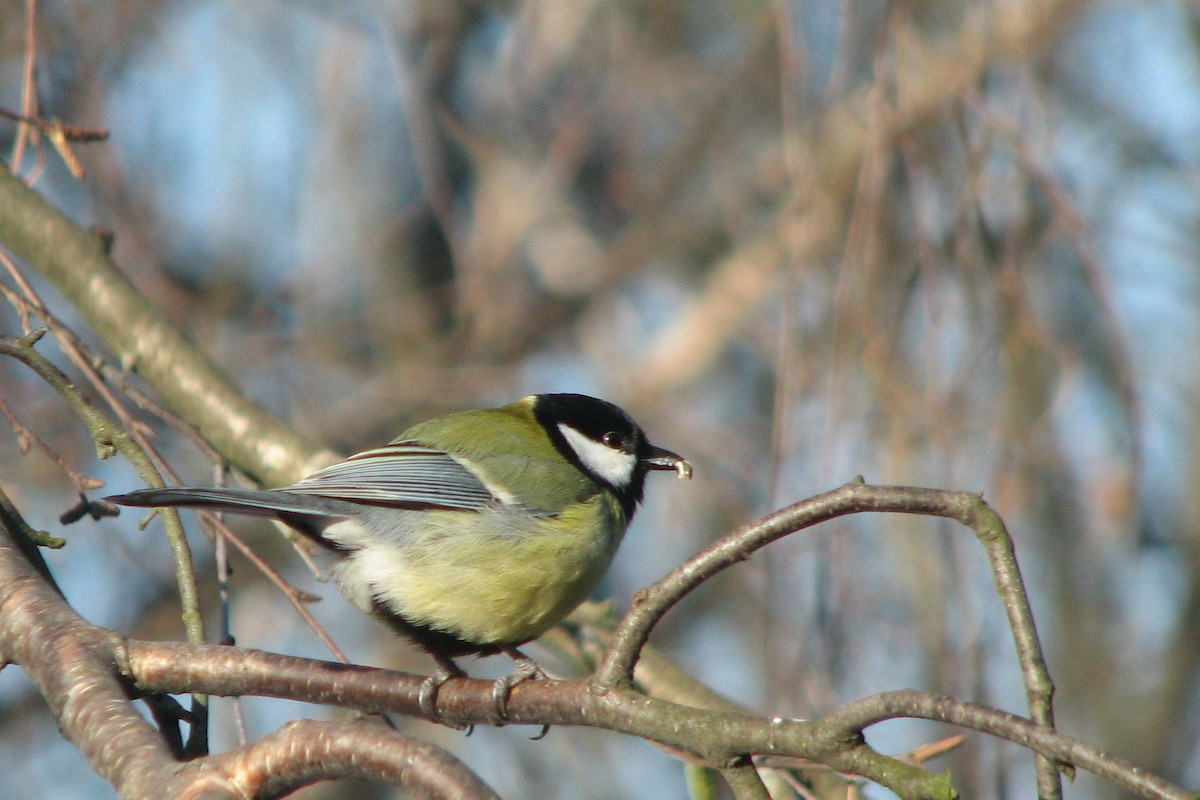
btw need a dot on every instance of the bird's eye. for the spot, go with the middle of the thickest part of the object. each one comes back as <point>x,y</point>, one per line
<point>614,440</point>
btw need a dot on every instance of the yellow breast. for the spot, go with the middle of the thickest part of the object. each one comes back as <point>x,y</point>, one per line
<point>492,577</point>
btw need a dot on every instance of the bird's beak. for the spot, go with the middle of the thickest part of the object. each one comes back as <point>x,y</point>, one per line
<point>665,459</point>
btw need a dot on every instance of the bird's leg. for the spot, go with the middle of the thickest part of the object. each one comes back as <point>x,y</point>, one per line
<point>427,697</point>
<point>526,669</point>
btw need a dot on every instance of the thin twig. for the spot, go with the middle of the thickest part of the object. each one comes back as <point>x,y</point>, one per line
<point>101,375</point>
<point>111,438</point>
<point>29,98</point>
<point>221,532</point>
<point>27,438</point>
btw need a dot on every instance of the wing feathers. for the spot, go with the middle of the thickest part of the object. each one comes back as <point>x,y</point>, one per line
<point>400,475</point>
<point>395,476</point>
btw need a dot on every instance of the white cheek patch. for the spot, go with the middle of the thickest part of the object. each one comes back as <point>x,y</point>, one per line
<point>613,466</point>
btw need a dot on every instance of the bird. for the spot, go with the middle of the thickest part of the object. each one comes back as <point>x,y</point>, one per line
<point>470,533</point>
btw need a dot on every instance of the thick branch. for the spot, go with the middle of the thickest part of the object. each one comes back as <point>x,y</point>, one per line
<point>77,667</point>
<point>73,665</point>
<point>719,738</point>
<point>305,751</point>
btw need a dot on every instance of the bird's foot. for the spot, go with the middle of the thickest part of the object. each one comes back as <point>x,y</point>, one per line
<point>526,669</point>
<point>427,697</point>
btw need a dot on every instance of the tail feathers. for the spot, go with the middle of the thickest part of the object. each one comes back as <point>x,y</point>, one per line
<point>279,504</point>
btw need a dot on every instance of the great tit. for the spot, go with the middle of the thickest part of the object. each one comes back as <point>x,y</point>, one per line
<point>469,533</point>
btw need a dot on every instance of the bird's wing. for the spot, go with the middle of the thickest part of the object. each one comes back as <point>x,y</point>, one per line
<point>402,475</point>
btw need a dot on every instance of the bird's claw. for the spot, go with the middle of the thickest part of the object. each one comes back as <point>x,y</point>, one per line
<point>526,669</point>
<point>428,694</point>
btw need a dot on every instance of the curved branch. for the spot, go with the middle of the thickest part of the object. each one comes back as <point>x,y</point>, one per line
<point>650,604</point>
<point>306,751</point>
<point>862,713</point>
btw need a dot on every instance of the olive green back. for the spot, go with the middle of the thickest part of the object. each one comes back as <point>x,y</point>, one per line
<point>508,448</point>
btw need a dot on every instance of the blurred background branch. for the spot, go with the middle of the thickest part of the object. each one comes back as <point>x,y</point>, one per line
<point>938,244</point>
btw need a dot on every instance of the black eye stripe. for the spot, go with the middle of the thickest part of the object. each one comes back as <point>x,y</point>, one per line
<point>605,425</point>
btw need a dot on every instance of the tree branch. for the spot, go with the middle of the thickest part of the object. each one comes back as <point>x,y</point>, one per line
<point>76,262</point>
<point>306,751</point>
<point>111,438</point>
<point>73,665</point>
<point>722,739</point>
<point>652,603</point>
<point>859,714</point>
<point>87,674</point>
